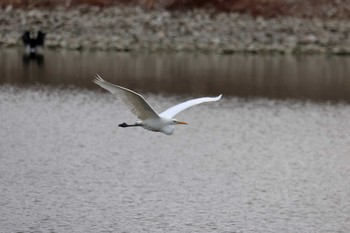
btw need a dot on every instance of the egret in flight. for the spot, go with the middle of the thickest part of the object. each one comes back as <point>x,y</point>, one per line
<point>150,119</point>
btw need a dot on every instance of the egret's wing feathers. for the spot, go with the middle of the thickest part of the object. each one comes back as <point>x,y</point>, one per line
<point>171,112</point>
<point>137,104</point>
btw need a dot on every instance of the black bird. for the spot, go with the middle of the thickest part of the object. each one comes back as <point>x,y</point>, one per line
<point>32,44</point>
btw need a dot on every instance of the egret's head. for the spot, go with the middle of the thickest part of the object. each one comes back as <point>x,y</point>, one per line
<point>177,122</point>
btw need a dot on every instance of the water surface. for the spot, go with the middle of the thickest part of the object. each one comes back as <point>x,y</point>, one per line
<point>319,78</point>
<point>239,166</point>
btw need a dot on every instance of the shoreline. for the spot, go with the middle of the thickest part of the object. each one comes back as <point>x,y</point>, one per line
<point>136,29</point>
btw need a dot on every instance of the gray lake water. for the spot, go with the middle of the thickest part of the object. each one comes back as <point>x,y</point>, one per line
<point>241,165</point>
<point>319,78</point>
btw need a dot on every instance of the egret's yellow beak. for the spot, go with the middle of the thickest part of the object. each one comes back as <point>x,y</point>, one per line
<point>182,123</point>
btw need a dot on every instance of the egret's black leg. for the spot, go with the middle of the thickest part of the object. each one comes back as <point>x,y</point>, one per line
<point>123,125</point>
<point>126,125</point>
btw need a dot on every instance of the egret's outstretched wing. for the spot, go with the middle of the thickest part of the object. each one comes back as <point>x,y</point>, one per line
<point>133,100</point>
<point>171,112</point>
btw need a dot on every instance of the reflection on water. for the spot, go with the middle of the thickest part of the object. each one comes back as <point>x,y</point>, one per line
<point>38,59</point>
<point>273,76</point>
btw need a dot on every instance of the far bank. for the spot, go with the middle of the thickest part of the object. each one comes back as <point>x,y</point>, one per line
<point>137,29</point>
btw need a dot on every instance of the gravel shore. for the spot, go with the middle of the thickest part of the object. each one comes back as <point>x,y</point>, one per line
<point>136,29</point>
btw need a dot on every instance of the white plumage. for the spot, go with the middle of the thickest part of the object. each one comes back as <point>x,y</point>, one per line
<point>149,118</point>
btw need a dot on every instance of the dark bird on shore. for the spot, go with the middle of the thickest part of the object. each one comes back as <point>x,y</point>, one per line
<point>33,44</point>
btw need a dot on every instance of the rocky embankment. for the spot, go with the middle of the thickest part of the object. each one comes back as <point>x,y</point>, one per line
<point>136,29</point>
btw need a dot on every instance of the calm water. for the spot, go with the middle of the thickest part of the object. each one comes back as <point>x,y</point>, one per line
<point>241,165</point>
<point>299,77</point>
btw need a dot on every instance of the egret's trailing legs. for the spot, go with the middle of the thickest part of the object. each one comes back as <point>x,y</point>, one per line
<point>124,125</point>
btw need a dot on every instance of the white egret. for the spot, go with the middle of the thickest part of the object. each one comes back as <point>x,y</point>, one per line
<point>149,119</point>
